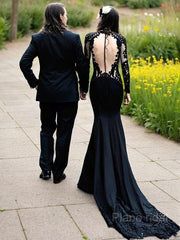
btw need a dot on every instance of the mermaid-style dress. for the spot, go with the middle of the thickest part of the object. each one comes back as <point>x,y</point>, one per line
<point>106,171</point>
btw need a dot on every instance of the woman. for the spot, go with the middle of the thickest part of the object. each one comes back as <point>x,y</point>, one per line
<point>106,171</point>
<point>60,55</point>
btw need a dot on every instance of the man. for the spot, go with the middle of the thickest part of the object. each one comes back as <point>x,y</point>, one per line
<point>60,56</point>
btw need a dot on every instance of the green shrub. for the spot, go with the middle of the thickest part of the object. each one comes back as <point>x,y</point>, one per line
<point>123,2</point>
<point>5,12</point>
<point>138,3</point>
<point>24,22</point>
<point>37,16</point>
<point>109,2</point>
<point>79,16</point>
<point>144,3</point>
<point>98,2</point>
<point>129,3</point>
<point>3,31</point>
<point>152,34</point>
<point>177,41</point>
<point>149,44</point>
<point>155,3</point>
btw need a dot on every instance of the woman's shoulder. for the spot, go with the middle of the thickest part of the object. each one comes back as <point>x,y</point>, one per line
<point>119,36</point>
<point>90,35</point>
<point>94,34</point>
<point>121,39</point>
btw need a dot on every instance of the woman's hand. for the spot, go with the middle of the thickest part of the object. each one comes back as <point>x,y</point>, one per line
<point>82,95</point>
<point>127,98</point>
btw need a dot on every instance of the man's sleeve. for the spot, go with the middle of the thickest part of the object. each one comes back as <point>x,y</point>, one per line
<point>26,64</point>
<point>81,66</point>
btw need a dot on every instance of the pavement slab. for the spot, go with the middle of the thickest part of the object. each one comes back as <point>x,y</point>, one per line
<point>10,226</point>
<point>49,223</point>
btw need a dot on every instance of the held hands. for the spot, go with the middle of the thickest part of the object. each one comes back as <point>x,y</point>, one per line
<point>82,95</point>
<point>127,98</point>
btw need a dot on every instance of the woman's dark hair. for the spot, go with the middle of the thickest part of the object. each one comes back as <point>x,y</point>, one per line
<point>53,21</point>
<point>109,20</point>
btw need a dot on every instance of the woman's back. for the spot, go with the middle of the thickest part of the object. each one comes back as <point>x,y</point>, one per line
<point>108,49</point>
<point>105,54</point>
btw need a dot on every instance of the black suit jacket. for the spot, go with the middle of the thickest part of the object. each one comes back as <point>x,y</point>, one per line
<point>60,57</point>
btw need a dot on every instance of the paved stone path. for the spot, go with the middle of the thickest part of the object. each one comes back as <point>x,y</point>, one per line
<point>32,209</point>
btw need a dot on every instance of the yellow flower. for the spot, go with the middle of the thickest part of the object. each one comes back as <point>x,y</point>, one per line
<point>157,77</point>
<point>153,90</point>
<point>146,28</point>
<point>137,87</point>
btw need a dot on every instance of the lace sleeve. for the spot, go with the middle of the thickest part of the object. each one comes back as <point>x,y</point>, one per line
<point>125,65</point>
<point>87,50</point>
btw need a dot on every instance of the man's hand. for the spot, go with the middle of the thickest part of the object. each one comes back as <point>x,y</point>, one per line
<point>82,95</point>
<point>127,98</point>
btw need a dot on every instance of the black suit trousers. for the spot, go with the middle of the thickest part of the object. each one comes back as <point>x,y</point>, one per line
<point>59,118</point>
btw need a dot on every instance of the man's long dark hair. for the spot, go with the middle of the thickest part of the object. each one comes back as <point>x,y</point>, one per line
<point>109,21</point>
<point>53,22</point>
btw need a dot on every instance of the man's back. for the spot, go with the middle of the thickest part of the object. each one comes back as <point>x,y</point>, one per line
<point>60,55</point>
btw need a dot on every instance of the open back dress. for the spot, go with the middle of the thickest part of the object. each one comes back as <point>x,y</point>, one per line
<point>106,171</point>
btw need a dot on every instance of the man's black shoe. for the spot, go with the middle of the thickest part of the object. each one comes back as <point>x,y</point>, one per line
<point>59,179</point>
<point>45,175</point>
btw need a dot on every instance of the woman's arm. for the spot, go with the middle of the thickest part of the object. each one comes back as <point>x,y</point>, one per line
<point>87,51</point>
<point>125,71</point>
<point>125,65</point>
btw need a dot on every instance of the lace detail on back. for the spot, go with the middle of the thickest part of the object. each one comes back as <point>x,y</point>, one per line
<point>105,55</point>
<point>108,49</point>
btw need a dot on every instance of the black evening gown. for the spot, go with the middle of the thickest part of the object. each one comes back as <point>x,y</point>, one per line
<point>106,171</point>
